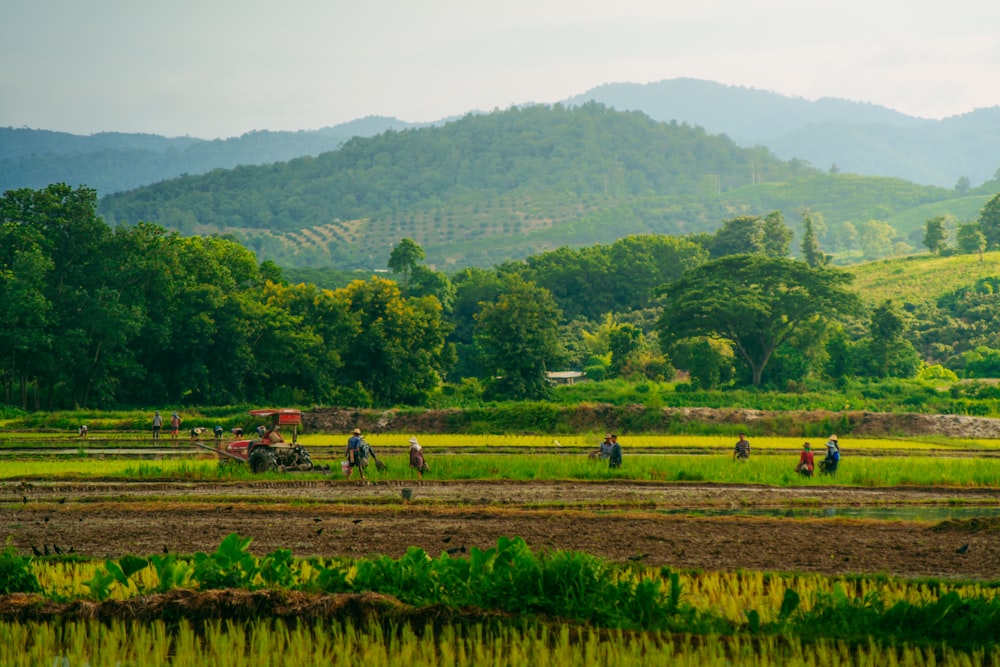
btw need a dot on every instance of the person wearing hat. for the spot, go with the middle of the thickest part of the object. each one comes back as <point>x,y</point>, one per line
<point>354,454</point>
<point>603,451</point>
<point>417,461</point>
<point>806,461</point>
<point>157,425</point>
<point>828,466</point>
<point>175,425</point>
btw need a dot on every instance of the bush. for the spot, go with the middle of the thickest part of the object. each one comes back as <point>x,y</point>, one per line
<point>15,573</point>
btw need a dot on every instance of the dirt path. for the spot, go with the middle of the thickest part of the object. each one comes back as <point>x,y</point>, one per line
<point>638,521</point>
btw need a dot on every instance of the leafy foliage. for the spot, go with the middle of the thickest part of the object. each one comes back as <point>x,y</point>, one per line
<point>15,573</point>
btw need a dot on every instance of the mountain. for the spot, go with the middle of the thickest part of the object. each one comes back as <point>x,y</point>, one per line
<point>492,187</point>
<point>828,133</point>
<point>113,162</point>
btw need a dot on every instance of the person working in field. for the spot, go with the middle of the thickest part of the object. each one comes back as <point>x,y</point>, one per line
<point>806,461</point>
<point>615,458</point>
<point>742,449</point>
<point>417,461</point>
<point>828,466</point>
<point>603,451</point>
<point>354,454</point>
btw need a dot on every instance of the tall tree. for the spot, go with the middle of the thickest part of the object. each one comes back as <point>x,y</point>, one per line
<point>777,235</point>
<point>754,302</point>
<point>811,252</point>
<point>989,222</point>
<point>403,260</point>
<point>518,334</point>
<point>970,239</point>
<point>886,352</point>
<point>398,351</point>
<point>935,234</point>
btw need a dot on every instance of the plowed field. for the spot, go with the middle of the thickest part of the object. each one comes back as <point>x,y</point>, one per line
<point>678,525</point>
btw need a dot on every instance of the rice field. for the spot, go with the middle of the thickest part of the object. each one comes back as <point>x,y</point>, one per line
<point>118,643</point>
<point>776,468</point>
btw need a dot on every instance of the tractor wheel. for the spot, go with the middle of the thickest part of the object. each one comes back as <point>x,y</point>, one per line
<point>263,460</point>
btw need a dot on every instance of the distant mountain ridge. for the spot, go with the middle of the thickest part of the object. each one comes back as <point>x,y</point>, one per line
<point>115,162</point>
<point>854,137</point>
<point>829,134</point>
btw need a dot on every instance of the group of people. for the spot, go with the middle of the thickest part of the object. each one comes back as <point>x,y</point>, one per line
<point>360,452</point>
<point>807,461</point>
<point>609,450</point>
<point>175,425</point>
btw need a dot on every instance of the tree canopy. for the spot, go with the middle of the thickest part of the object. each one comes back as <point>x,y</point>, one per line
<point>754,302</point>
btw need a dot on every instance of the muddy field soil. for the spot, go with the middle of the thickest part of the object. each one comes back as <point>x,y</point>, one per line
<point>654,523</point>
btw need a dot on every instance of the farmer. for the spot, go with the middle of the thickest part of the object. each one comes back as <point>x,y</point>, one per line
<point>806,461</point>
<point>615,457</point>
<point>603,451</point>
<point>175,425</point>
<point>157,425</point>
<point>218,432</point>
<point>368,452</point>
<point>742,449</point>
<point>417,461</point>
<point>83,431</point>
<point>354,453</point>
<point>828,466</point>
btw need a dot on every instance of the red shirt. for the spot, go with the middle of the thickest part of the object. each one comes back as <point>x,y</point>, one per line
<point>806,457</point>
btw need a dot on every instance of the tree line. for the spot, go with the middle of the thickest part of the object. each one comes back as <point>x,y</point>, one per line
<point>94,316</point>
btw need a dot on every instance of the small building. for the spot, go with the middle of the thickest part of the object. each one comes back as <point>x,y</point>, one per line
<point>565,377</point>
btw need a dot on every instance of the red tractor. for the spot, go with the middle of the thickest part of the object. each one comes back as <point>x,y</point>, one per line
<point>269,451</point>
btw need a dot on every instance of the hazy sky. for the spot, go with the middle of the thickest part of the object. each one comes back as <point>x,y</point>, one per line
<point>219,68</point>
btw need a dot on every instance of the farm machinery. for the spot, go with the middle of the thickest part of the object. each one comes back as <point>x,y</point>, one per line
<point>269,451</point>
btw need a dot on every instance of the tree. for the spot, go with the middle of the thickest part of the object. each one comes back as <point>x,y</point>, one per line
<point>397,352</point>
<point>962,185</point>
<point>403,260</point>
<point>777,235</point>
<point>756,303</point>
<point>970,239</point>
<point>624,342</point>
<point>739,236</point>
<point>989,222</point>
<point>811,252</point>
<point>886,352</point>
<point>518,334</point>
<point>753,235</point>
<point>876,237</point>
<point>935,234</point>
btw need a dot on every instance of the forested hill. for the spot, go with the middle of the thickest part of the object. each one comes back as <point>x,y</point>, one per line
<point>491,187</point>
<point>547,175</point>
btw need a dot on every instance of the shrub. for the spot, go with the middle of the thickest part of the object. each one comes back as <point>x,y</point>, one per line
<point>15,573</point>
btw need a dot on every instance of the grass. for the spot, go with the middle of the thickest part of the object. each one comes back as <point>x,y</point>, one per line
<point>774,469</point>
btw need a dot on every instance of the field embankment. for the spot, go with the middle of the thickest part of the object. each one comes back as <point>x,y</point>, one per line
<point>556,419</point>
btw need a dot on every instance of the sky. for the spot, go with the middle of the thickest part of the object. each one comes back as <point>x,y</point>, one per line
<point>220,68</point>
